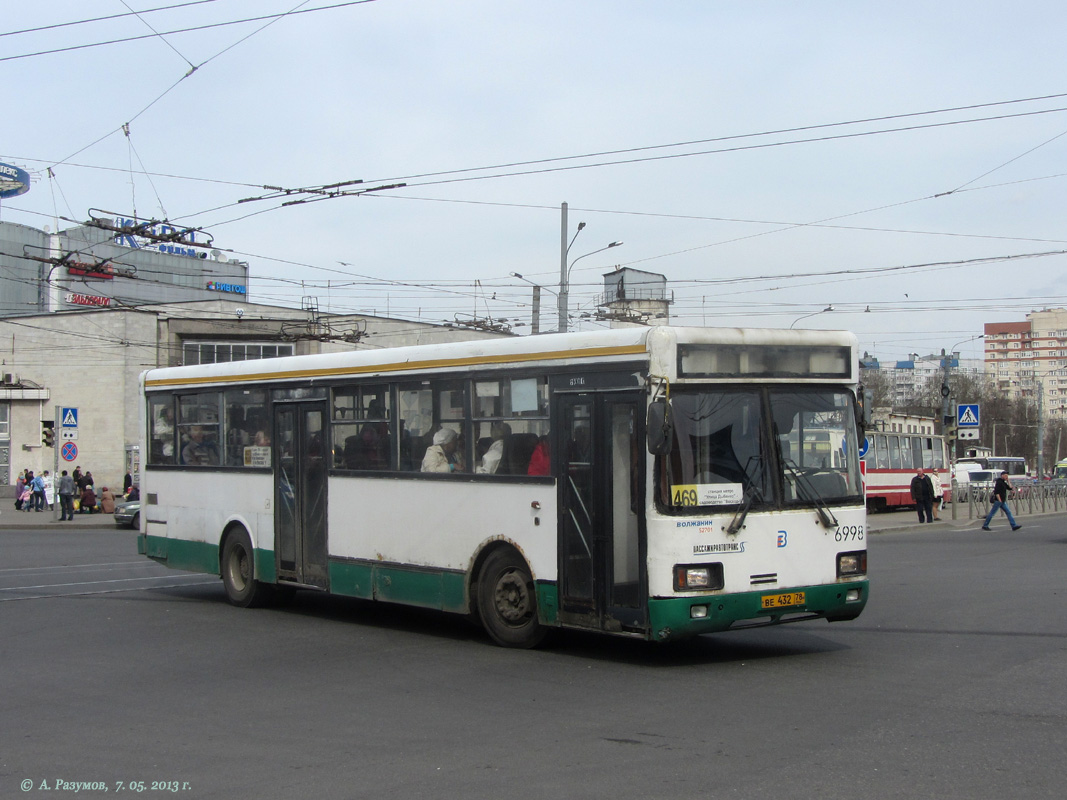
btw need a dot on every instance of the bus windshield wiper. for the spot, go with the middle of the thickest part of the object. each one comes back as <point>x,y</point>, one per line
<point>810,494</point>
<point>752,492</point>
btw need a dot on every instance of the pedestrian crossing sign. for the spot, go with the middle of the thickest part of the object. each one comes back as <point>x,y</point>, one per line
<point>69,417</point>
<point>967,415</point>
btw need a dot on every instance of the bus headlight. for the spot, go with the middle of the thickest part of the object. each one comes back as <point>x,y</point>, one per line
<point>695,577</point>
<point>854,563</point>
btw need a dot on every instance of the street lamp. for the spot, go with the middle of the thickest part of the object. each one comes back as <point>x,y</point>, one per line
<point>565,280</point>
<point>798,319</point>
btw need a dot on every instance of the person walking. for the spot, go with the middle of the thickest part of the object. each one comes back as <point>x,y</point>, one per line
<point>1001,489</point>
<point>66,497</point>
<point>922,492</point>
<point>939,493</point>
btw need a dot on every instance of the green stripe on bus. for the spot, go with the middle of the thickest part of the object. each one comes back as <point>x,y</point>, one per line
<point>672,617</point>
<point>201,556</point>
<point>183,554</point>
<point>392,583</point>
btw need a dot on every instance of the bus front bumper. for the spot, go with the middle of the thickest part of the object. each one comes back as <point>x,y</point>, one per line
<point>683,617</point>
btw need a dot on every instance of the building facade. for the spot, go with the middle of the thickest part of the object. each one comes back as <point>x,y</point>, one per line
<point>1028,360</point>
<point>111,262</point>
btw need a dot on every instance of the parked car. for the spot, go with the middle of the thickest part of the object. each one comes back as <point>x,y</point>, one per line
<point>128,514</point>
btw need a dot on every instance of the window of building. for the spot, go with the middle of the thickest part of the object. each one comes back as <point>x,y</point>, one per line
<point>221,352</point>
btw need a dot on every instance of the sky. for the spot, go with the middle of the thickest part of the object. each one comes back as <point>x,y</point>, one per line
<point>893,169</point>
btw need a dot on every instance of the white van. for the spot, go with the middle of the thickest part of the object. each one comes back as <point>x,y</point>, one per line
<point>972,476</point>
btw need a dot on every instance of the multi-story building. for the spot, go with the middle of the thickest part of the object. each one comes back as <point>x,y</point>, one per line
<point>1028,360</point>
<point>111,262</point>
<point>908,378</point>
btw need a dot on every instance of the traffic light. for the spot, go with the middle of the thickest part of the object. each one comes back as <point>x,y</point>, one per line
<point>951,433</point>
<point>48,433</point>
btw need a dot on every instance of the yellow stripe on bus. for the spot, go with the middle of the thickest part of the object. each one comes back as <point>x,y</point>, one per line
<point>471,361</point>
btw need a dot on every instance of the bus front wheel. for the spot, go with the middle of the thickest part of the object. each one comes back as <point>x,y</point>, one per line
<point>507,601</point>
<point>238,572</point>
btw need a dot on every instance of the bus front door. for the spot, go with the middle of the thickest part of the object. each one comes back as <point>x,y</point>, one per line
<point>300,493</point>
<point>601,552</point>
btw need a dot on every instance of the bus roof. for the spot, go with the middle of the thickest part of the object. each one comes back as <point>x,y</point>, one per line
<point>606,346</point>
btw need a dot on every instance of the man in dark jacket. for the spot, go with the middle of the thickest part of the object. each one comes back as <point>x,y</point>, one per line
<point>1001,489</point>
<point>922,492</point>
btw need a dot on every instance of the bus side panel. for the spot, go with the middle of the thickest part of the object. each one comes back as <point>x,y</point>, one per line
<point>441,534</point>
<point>184,525</point>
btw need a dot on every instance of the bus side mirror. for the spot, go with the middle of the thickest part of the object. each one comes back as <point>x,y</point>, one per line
<point>866,403</point>
<point>658,428</point>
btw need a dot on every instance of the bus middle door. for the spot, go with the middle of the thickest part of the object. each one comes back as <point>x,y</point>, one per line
<point>601,528</point>
<point>300,450</point>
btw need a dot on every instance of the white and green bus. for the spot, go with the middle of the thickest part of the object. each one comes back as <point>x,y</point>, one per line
<point>657,482</point>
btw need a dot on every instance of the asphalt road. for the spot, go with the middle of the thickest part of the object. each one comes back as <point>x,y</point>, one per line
<point>119,672</point>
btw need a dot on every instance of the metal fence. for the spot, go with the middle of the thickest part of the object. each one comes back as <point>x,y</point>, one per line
<point>1037,497</point>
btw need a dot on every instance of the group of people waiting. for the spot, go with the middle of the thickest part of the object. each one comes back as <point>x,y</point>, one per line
<point>76,491</point>
<point>30,491</point>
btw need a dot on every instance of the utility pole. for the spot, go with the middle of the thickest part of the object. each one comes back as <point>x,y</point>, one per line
<point>536,311</point>
<point>1040,430</point>
<point>561,307</point>
<point>948,423</point>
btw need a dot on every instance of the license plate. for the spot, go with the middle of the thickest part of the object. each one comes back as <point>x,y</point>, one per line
<point>782,600</point>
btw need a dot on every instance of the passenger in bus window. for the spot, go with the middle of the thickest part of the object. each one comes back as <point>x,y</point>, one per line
<point>201,450</point>
<point>500,433</point>
<point>440,456</point>
<point>163,435</point>
<point>539,461</point>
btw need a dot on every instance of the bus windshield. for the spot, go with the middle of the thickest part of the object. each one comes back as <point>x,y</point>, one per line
<point>724,454</point>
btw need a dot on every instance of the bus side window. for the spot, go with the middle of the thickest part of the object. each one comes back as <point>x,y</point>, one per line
<point>415,415</point>
<point>361,434</point>
<point>161,430</point>
<point>247,435</point>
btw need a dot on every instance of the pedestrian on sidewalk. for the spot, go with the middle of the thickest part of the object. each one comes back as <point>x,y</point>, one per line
<point>66,497</point>
<point>939,493</point>
<point>1001,490</point>
<point>38,492</point>
<point>922,492</point>
<point>20,485</point>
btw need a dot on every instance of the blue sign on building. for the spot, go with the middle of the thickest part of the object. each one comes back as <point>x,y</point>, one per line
<point>13,181</point>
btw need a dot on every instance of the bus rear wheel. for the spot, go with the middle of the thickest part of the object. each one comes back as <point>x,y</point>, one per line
<point>507,601</point>
<point>238,572</point>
